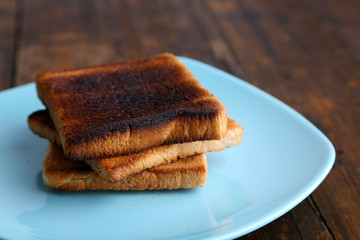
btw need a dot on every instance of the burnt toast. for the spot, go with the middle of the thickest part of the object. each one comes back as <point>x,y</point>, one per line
<point>129,107</point>
<point>116,168</point>
<point>64,174</point>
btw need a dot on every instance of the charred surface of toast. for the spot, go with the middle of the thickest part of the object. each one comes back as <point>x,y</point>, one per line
<point>133,108</point>
<point>149,94</point>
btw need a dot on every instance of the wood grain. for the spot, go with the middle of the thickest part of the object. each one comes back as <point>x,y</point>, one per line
<point>9,16</point>
<point>306,53</point>
<point>73,34</point>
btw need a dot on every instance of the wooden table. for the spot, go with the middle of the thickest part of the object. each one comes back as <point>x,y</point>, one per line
<point>306,53</point>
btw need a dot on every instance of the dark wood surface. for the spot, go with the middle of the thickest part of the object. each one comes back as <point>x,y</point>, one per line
<point>306,53</point>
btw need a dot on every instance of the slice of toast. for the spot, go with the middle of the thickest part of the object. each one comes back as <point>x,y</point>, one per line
<point>129,107</point>
<point>115,168</point>
<point>65,174</point>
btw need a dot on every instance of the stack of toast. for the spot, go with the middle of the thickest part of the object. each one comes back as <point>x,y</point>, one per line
<point>134,125</point>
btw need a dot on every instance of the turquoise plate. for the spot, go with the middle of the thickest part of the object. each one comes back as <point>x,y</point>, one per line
<point>282,159</point>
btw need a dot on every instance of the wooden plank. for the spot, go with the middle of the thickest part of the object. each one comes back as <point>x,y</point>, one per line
<point>212,37</point>
<point>171,29</point>
<point>309,221</point>
<point>146,26</point>
<point>9,12</point>
<point>73,34</point>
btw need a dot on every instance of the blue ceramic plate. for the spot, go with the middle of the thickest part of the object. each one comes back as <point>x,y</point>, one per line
<point>281,160</point>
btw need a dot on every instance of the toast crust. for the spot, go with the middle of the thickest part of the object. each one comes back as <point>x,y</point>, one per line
<point>116,168</point>
<point>129,107</point>
<point>65,174</point>
<point>41,124</point>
